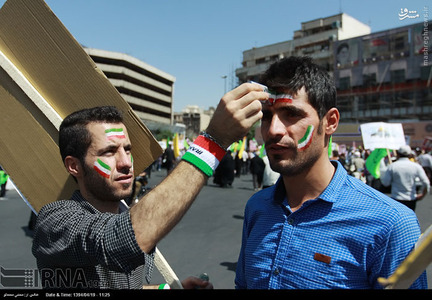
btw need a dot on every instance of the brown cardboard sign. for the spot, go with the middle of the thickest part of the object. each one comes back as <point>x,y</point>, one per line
<point>52,63</point>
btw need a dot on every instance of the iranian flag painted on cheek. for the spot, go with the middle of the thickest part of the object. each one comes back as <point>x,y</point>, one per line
<point>102,168</point>
<point>306,140</point>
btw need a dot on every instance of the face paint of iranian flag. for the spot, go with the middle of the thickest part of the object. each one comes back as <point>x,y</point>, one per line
<point>115,133</point>
<point>102,168</point>
<point>306,140</point>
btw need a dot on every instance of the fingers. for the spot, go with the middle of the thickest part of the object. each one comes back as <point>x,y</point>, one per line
<point>244,94</point>
<point>236,113</point>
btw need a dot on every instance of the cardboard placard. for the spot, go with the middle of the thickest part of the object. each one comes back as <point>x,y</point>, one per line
<point>55,66</point>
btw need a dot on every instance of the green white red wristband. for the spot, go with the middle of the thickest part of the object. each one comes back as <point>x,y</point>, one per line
<point>205,154</point>
<point>164,286</point>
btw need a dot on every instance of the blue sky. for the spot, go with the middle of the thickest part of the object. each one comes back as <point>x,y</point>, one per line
<point>199,41</point>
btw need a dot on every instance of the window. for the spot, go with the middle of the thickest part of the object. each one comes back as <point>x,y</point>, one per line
<point>369,80</point>
<point>344,83</point>
<point>397,76</point>
<point>425,73</point>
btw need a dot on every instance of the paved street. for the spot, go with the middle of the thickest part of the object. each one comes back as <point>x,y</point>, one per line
<point>206,240</point>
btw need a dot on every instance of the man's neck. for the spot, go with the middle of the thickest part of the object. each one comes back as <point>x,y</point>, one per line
<point>309,184</point>
<point>102,206</point>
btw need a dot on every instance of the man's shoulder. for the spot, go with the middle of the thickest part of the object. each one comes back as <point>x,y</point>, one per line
<point>64,203</point>
<point>263,198</point>
<point>64,206</point>
<point>375,201</point>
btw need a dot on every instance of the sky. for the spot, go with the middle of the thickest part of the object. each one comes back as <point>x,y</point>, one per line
<point>200,41</point>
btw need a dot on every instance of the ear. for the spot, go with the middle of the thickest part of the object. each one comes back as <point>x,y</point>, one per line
<point>332,121</point>
<point>73,166</point>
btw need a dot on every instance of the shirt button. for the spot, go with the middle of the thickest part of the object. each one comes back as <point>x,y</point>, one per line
<point>276,271</point>
<point>291,221</point>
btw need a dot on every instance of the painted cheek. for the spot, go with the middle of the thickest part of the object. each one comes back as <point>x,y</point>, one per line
<point>102,168</point>
<point>306,140</point>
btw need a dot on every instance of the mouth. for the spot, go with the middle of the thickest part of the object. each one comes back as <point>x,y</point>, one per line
<point>124,179</point>
<point>277,149</point>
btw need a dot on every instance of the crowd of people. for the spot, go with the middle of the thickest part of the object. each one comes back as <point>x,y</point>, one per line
<point>405,173</point>
<point>253,164</point>
<point>235,164</point>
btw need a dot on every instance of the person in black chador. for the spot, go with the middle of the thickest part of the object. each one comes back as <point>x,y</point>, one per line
<point>257,167</point>
<point>224,174</point>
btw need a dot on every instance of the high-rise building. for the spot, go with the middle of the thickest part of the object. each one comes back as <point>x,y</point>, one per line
<point>148,90</point>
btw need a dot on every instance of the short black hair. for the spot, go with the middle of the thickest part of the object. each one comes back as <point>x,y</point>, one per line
<point>294,72</point>
<point>74,138</point>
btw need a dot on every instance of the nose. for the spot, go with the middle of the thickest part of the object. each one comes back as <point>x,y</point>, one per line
<point>276,127</point>
<point>124,161</point>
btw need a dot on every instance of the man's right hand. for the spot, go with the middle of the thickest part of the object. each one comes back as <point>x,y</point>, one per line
<point>236,113</point>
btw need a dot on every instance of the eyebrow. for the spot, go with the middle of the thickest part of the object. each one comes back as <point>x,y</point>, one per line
<point>287,108</point>
<point>113,147</point>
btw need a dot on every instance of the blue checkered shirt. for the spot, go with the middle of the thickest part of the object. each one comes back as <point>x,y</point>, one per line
<point>346,238</point>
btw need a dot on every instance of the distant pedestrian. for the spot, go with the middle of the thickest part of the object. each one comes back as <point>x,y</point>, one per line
<point>169,159</point>
<point>357,166</point>
<point>257,167</point>
<point>238,162</point>
<point>270,177</point>
<point>224,173</point>
<point>425,160</point>
<point>402,175</point>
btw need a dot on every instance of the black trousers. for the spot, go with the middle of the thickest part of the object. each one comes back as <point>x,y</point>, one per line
<point>411,204</point>
<point>3,190</point>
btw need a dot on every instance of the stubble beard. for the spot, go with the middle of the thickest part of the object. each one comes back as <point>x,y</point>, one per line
<point>297,163</point>
<point>101,189</point>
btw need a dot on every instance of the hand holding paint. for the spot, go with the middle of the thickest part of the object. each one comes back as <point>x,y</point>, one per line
<point>274,96</point>
<point>236,113</point>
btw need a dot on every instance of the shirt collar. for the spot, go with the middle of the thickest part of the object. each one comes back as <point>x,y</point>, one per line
<point>77,196</point>
<point>335,184</point>
<point>339,177</point>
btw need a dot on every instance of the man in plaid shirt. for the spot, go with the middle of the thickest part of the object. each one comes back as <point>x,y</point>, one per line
<point>92,237</point>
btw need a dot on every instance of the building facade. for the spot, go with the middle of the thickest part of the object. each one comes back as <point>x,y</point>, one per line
<point>194,119</point>
<point>386,77</point>
<point>314,39</point>
<point>148,90</point>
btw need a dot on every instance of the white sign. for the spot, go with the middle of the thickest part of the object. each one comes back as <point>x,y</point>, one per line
<point>382,135</point>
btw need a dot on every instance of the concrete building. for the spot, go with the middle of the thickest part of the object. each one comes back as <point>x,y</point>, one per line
<point>195,119</point>
<point>148,90</point>
<point>314,39</point>
<point>385,76</point>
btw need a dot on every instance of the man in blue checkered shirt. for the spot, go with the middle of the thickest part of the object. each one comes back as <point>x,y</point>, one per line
<point>317,227</point>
